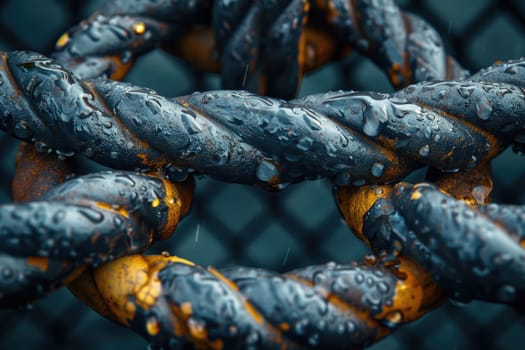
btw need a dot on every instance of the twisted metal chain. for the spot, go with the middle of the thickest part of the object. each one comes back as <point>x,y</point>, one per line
<point>263,46</point>
<point>353,138</point>
<point>350,137</point>
<point>172,302</point>
<point>88,220</point>
<point>471,251</point>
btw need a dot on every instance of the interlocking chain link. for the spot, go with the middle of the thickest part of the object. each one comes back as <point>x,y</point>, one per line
<point>86,221</point>
<point>429,245</point>
<point>264,46</point>
<point>353,138</point>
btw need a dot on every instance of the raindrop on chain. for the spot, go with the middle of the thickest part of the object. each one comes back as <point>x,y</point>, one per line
<point>267,170</point>
<point>424,151</point>
<point>483,109</point>
<point>377,169</point>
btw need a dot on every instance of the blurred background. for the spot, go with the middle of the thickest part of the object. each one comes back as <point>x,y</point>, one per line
<point>234,224</point>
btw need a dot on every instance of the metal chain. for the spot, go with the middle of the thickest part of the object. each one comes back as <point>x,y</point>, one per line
<point>88,220</point>
<point>176,304</point>
<point>263,46</point>
<point>350,137</point>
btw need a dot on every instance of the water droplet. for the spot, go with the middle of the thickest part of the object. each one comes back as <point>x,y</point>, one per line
<point>312,122</point>
<point>305,143</point>
<point>301,326</point>
<point>42,147</point>
<point>466,91</point>
<point>341,328</point>
<point>483,109</point>
<point>206,98</point>
<point>252,341</point>
<point>197,328</point>
<point>372,119</point>
<point>126,57</point>
<point>267,170</point>
<point>92,215</point>
<point>64,154</point>
<point>480,193</point>
<point>458,302</point>
<point>314,339</point>
<point>118,222</point>
<point>363,44</point>
<point>22,130</point>
<point>190,124</point>
<point>424,151</point>
<point>176,174</point>
<point>377,169</point>
<point>359,278</point>
<point>383,287</point>
<point>58,216</point>
<point>507,293</point>
<point>331,149</point>
<point>502,259</point>
<point>511,69</point>
<point>133,196</point>
<point>7,273</point>
<point>440,95</point>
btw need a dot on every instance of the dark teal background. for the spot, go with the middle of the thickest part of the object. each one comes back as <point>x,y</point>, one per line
<point>234,224</point>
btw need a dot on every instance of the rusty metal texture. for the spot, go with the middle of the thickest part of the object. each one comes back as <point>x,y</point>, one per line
<point>471,251</point>
<point>350,137</point>
<point>236,136</point>
<point>263,46</point>
<point>175,303</point>
<point>87,220</point>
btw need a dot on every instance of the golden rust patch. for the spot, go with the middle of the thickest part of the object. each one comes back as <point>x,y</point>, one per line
<point>152,326</point>
<point>472,186</point>
<point>178,200</point>
<point>84,288</point>
<point>40,262</point>
<point>155,203</point>
<point>284,326</point>
<point>197,47</point>
<point>355,202</point>
<point>62,41</point>
<point>37,173</point>
<point>130,307</point>
<point>415,195</point>
<point>119,280</point>
<point>139,28</point>
<point>416,293</point>
<point>113,208</point>
<point>155,163</point>
<point>186,308</point>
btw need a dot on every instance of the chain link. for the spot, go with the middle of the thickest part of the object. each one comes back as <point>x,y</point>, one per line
<point>429,245</point>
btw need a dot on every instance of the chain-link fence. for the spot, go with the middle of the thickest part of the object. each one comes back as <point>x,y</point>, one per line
<point>235,224</point>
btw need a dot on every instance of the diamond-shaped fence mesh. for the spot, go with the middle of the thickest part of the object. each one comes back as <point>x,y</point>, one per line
<point>235,224</point>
